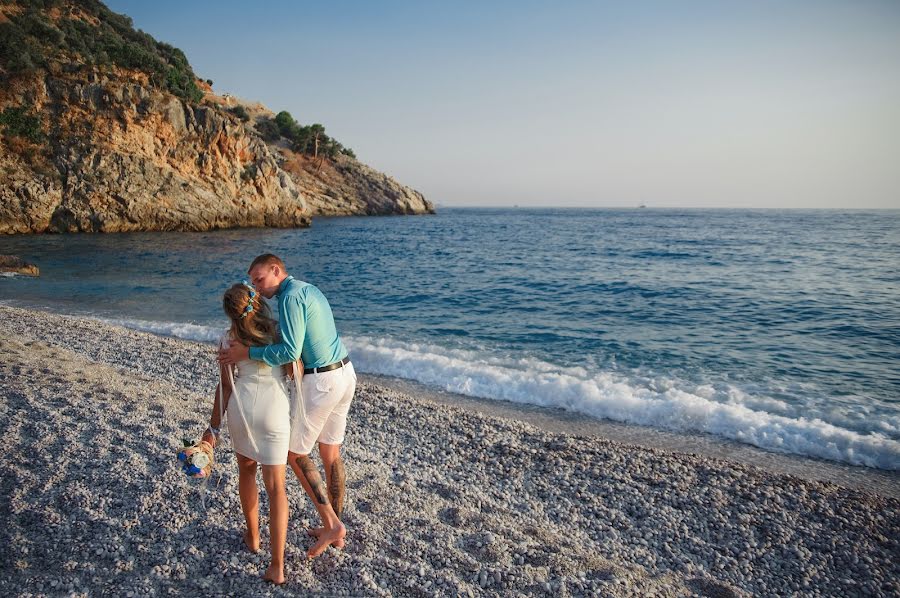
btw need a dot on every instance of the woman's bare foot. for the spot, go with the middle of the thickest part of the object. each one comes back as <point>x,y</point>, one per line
<point>316,532</point>
<point>328,537</point>
<point>274,574</point>
<point>250,542</point>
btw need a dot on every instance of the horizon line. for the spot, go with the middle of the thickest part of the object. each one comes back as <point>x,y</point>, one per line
<point>576,207</point>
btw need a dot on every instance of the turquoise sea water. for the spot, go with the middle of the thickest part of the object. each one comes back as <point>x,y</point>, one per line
<point>775,328</point>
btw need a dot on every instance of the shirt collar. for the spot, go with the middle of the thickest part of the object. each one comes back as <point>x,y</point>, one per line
<point>283,285</point>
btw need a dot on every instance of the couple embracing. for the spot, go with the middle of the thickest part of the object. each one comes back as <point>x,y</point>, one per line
<point>261,359</point>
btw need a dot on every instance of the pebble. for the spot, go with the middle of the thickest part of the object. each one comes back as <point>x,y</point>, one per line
<point>483,579</point>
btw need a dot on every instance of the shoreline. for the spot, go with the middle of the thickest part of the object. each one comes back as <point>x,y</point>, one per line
<point>558,420</point>
<point>442,499</point>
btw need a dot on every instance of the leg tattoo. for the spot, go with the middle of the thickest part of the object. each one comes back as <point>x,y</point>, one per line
<point>336,489</point>
<point>313,478</point>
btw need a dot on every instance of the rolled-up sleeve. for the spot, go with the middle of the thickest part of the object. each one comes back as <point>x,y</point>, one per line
<point>293,331</point>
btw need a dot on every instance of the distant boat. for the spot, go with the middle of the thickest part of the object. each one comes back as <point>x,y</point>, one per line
<point>642,206</point>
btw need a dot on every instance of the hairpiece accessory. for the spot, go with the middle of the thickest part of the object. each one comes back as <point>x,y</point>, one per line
<point>249,308</point>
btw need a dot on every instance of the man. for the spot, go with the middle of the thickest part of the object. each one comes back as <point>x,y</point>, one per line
<point>308,333</point>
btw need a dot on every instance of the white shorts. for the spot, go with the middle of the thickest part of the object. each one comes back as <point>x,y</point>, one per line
<point>326,402</point>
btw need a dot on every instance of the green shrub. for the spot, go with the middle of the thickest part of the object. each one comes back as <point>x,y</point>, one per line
<point>182,84</point>
<point>267,128</point>
<point>18,52</point>
<point>30,38</point>
<point>287,126</point>
<point>240,112</point>
<point>36,25</point>
<point>20,122</point>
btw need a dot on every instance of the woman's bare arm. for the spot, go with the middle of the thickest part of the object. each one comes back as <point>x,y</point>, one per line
<point>215,418</point>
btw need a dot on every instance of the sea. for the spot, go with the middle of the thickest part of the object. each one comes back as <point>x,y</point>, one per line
<point>773,328</point>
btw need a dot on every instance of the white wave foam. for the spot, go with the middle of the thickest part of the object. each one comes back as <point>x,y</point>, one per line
<point>616,397</point>
<point>728,412</point>
<point>193,332</point>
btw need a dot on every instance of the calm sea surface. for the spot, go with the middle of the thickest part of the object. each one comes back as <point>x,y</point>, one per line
<point>774,328</point>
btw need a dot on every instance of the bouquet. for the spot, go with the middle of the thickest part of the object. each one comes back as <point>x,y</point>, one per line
<point>196,458</point>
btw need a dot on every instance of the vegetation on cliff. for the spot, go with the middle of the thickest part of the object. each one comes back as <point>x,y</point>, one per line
<point>310,139</point>
<point>40,33</point>
<point>84,33</point>
<point>104,129</point>
<point>19,121</point>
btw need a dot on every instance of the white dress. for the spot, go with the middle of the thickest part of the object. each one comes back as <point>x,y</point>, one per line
<point>259,412</point>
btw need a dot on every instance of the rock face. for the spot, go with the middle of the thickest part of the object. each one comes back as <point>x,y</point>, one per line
<point>12,263</point>
<point>123,156</point>
<point>344,186</point>
<point>104,129</point>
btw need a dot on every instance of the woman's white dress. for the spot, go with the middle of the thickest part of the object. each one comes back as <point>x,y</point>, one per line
<point>259,413</point>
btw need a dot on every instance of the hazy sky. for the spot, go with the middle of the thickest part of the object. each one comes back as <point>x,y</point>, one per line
<point>719,103</point>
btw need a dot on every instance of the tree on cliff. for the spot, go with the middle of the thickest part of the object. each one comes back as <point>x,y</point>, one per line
<point>316,133</point>
<point>309,139</point>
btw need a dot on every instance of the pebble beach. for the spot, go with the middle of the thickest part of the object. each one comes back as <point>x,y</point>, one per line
<point>441,500</point>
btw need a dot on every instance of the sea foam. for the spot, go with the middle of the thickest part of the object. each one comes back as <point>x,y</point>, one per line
<point>620,398</point>
<point>664,404</point>
<point>187,331</point>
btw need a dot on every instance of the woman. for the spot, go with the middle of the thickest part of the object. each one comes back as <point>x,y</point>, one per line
<point>256,400</point>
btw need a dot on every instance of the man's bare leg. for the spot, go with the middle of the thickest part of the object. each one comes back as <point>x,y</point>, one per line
<point>334,475</point>
<point>333,530</point>
<point>336,479</point>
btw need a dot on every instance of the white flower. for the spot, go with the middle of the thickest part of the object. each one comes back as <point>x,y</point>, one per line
<point>200,459</point>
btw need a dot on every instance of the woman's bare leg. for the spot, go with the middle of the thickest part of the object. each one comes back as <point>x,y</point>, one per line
<point>249,500</point>
<point>273,477</point>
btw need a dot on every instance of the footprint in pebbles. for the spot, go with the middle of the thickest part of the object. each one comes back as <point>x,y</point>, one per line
<point>460,517</point>
<point>482,546</point>
<point>710,588</point>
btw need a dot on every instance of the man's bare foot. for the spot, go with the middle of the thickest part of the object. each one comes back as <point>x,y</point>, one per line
<point>275,575</point>
<point>328,537</point>
<point>317,532</point>
<point>250,542</point>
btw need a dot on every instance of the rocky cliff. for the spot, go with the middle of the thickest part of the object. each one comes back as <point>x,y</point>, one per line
<point>344,186</point>
<point>104,144</point>
<point>123,156</point>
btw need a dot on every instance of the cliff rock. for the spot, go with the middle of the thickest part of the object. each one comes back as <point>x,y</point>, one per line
<point>123,156</point>
<point>104,129</point>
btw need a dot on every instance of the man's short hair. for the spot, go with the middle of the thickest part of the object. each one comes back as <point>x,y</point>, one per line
<point>267,259</point>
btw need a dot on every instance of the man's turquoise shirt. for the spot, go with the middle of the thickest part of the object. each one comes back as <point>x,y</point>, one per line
<point>307,328</point>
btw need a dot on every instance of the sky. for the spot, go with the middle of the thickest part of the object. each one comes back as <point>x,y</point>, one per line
<point>763,104</point>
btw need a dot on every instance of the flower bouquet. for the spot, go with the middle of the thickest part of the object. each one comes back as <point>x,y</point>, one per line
<point>196,458</point>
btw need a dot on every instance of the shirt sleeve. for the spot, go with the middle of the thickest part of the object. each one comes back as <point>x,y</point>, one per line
<point>293,332</point>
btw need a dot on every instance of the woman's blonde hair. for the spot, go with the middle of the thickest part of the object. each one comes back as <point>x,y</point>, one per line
<point>257,328</point>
